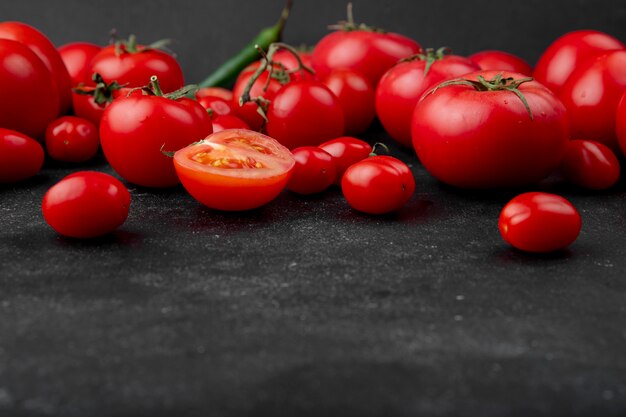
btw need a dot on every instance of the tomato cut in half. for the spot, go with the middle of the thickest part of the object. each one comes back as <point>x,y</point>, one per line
<point>234,170</point>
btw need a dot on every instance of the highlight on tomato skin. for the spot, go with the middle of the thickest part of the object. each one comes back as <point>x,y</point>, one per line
<point>590,165</point>
<point>234,169</point>
<point>21,156</point>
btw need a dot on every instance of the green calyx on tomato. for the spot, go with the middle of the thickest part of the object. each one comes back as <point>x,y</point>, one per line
<point>349,25</point>
<point>130,45</point>
<point>154,89</point>
<point>102,93</point>
<point>430,56</point>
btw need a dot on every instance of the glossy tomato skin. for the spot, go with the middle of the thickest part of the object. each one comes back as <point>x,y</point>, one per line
<point>86,204</point>
<point>620,123</point>
<point>356,97</point>
<point>21,157</point>
<point>227,121</point>
<point>486,139</point>
<point>28,93</point>
<point>135,129</point>
<point>218,106</point>
<point>48,54</point>
<point>500,60</point>
<point>220,92</point>
<point>568,52</point>
<point>346,151</point>
<point>590,165</point>
<point>304,113</point>
<point>248,112</point>
<point>72,139</point>
<point>539,222</point>
<point>234,170</point>
<point>378,185</point>
<point>401,87</point>
<point>314,172</point>
<point>85,106</point>
<point>77,58</point>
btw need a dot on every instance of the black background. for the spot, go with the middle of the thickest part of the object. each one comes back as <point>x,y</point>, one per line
<point>305,307</point>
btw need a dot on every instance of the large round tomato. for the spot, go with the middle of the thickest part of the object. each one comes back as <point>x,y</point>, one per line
<point>478,133</point>
<point>501,61</point>
<point>28,94</point>
<point>77,58</point>
<point>21,157</point>
<point>234,169</point>
<point>356,97</point>
<point>48,54</point>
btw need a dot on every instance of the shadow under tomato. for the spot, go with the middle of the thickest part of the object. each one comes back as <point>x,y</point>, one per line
<point>511,255</point>
<point>416,211</point>
<point>122,238</point>
<point>29,183</point>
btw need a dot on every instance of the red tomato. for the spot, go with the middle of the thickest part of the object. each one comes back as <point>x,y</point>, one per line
<point>500,60</point>
<point>568,52</point>
<point>89,102</point>
<point>220,92</point>
<point>314,171</point>
<point>21,157</point>
<point>234,170</point>
<point>356,97</point>
<point>48,54</point>
<point>539,222</point>
<point>86,204</point>
<point>401,87</point>
<point>77,58</point>
<point>28,94</point>
<point>378,185</point>
<point>218,106</point>
<point>289,62</point>
<point>249,111</point>
<point>347,151</point>
<point>590,165</point>
<point>72,139</point>
<point>620,123</point>
<point>591,95</point>
<point>227,121</point>
<point>304,113</point>
<point>483,136</point>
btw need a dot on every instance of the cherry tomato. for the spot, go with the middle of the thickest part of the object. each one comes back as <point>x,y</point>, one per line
<point>314,171</point>
<point>590,165</point>
<point>539,222</point>
<point>289,62</point>
<point>227,121</point>
<point>89,102</point>
<point>249,111</point>
<point>346,151</point>
<point>234,170</point>
<point>568,52</point>
<point>21,157</point>
<point>482,135</point>
<point>356,97</point>
<point>500,60</point>
<point>28,94</point>
<point>304,113</point>
<point>86,204</point>
<point>72,139</point>
<point>50,57</point>
<point>77,58</point>
<point>378,185</point>
<point>220,92</point>
<point>620,123</point>
<point>218,106</point>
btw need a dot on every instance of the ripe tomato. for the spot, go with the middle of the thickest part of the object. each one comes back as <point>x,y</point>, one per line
<point>28,94</point>
<point>249,111</point>
<point>50,57</point>
<point>227,121</point>
<point>304,113</point>
<point>356,97</point>
<point>72,139</point>
<point>216,105</point>
<point>401,87</point>
<point>21,157</point>
<point>314,171</point>
<point>620,123</point>
<point>86,204</point>
<point>234,170</point>
<point>77,58</point>
<point>220,92</point>
<point>590,165</point>
<point>500,60</point>
<point>481,135</point>
<point>346,151</point>
<point>89,102</point>
<point>568,52</point>
<point>378,185</point>
<point>539,222</point>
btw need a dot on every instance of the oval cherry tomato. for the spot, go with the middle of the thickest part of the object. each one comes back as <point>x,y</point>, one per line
<point>28,94</point>
<point>500,60</point>
<point>77,58</point>
<point>484,137</point>
<point>314,171</point>
<point>378,185</point>
<point>220,92</point>
<point>21,157</point>
<point>568,52</point>
<point>218,106</point>
<point>346,151</point>
<point>72,139</point>
<point>234,170</point>
<point>590,165</point>
<point>227,121</point>
<point>86,204</point>
<point>249,111</point>
<point>539,222</point>
<point>48,54</point>
<point>304,113</point>
<point>356,97</point>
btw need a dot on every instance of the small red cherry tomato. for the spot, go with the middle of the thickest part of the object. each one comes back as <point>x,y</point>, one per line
<point>502,61</point>
<point>590,165</point>
<point>77,58</point>
<point>227,121</point>
<point>539,222</point>
<point>378,185</point>
<point>356,97</point>
<point>220,92</point>
<point>217,106</point>
<point>347,151</point>
<point>21,157</point>
<point>72,139</point>
<point>314,171</point>
<point>86,204</point>
<point>249,111</point>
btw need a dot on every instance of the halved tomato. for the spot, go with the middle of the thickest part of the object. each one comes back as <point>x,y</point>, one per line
<point>234,170</point>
